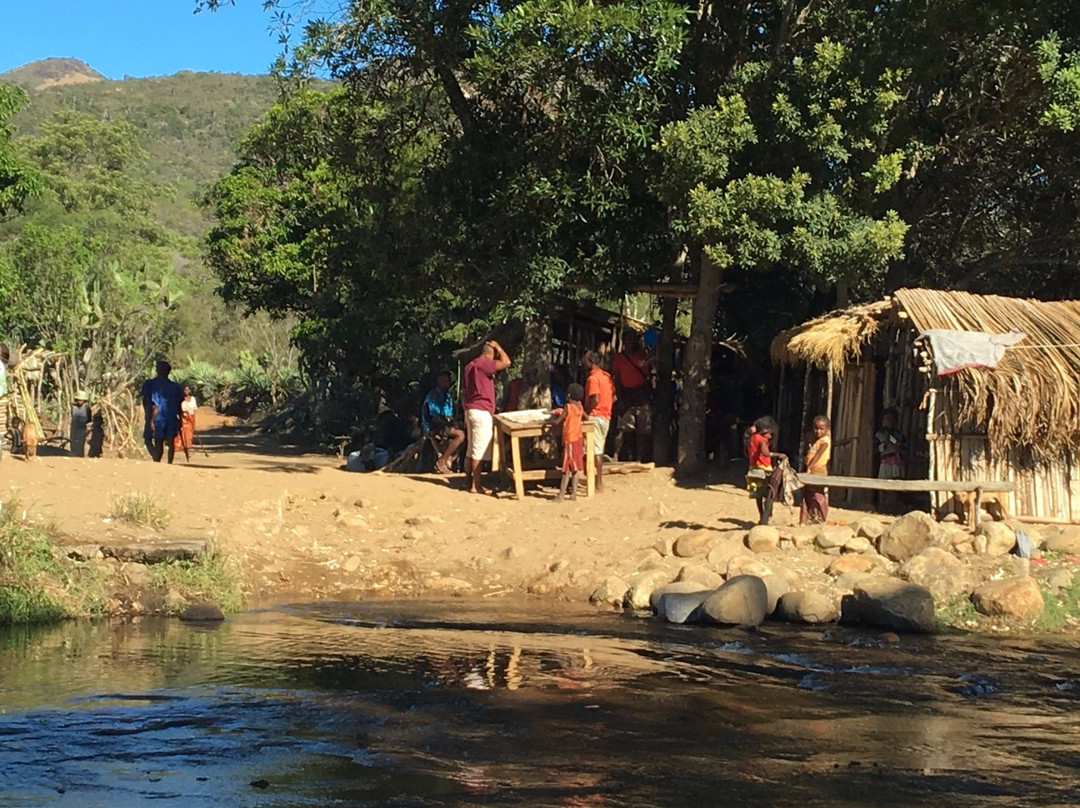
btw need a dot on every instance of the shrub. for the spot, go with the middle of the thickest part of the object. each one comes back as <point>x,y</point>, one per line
<point>140,508</point>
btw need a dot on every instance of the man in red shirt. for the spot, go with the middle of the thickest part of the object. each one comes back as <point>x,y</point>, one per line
<point>478,399</point>
<point>631,370</point>
<point>599,401</point>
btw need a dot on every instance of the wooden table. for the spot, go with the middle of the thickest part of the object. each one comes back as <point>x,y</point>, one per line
<point>507,428</point>
<point>948,486</point>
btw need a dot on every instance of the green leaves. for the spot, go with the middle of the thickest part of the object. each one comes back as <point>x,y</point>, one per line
<point>19,180</point>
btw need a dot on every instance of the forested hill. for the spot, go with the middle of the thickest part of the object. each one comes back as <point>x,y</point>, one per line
<point>188,122</point>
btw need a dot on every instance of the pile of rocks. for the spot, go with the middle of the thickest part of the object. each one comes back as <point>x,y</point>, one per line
<point>868,573</point>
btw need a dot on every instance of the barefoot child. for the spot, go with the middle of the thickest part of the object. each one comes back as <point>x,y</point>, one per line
<point>815,502</point>
<point>573,442</point>
<point>761,482</point>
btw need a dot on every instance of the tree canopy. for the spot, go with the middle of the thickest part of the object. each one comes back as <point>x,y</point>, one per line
<point>478,159</point>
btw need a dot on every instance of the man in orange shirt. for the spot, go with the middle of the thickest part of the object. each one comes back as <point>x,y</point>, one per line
<point>631,370</point>
<point>599,401</point>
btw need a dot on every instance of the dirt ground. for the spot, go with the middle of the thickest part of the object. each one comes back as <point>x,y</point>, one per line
<point>300,527</point>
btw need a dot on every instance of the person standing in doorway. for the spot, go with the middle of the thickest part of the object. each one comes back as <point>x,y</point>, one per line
<point>599,401</point>
<point>478,399</point>
<point>161,398</point>
<point>80,422</point>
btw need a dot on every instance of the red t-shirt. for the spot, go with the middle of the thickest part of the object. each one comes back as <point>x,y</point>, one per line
<point>478,385</point>
<point>758,451</point>
<point>599,384</point>
<point>629,369</point>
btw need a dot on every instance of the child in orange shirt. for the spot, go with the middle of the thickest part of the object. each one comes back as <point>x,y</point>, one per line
<point>815,502</point>
<point>573,440</point>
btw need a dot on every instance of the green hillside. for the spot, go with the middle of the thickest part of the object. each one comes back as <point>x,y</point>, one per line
<point>188,122</point>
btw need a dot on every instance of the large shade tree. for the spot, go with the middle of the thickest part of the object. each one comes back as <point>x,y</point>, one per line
<point>839,146</point>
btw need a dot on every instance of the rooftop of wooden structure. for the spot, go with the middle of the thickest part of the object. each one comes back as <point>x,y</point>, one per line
<point>1032,400</point>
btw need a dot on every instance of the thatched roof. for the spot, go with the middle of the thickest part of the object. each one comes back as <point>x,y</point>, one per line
<point>1031,400</point>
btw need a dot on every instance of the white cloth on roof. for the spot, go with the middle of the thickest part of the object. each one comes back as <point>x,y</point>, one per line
<point>956,350</point>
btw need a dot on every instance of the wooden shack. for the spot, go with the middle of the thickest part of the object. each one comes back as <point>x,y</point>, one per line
<point>1018,422</point>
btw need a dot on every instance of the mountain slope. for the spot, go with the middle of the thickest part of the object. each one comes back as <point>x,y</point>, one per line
<point>51,72</point>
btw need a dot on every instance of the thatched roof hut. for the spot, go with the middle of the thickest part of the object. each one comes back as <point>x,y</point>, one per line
<point>1018,421</point>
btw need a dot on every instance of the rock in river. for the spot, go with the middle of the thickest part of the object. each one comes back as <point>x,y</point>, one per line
<point>202,613</point>
<point>882,602</point>
<point>807,607</point>
<point>681,607</point>
<point>742,601</point>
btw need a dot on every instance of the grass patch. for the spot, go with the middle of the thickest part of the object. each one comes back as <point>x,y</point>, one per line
<point>957,614</point>
<point>140,508</point>
<point>211,578</point>
<point>38,584</point>
<point>1062,610</point>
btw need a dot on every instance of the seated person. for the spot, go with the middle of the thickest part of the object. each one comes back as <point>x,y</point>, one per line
<point>437,421</point>
<point>370,456</point>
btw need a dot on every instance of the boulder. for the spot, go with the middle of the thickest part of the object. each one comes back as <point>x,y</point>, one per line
<point>612,592</point>
<point>693,544</point>
<point>847,582</point>
<point>641,586</point>
<point>1020,598</point>
<point>665,546</point>
<point>908,535</point>
<point>202,613</point>
<point>725,548</point>
<point>746,565</point>
<point>850,563</point>
<point>763,539</point>
<point>807,607</point>
<point>777,585</point>
<point>997,539</point>
<point>700,575</point>
<point>742,601</point>
<point>939,571</point>
<point>881,602</point>
<point>682,607</point>
<point>829,538</point>
<point>676,588</point>
<point>799,537</point>
<point>1068,541</point>
<point>859,544</point>
<point>867,527</point>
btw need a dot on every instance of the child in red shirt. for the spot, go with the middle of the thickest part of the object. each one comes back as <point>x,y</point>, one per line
<point>761,481</point>
<point>573,441</point>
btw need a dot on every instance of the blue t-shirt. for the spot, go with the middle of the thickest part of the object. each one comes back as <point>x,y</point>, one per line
<point>166,395</point>
<point>437,404</point>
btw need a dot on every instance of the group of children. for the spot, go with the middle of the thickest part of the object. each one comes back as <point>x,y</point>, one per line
<point>764,478</point>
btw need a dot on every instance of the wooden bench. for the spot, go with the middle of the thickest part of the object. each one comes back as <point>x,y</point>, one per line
<point>928,486</point>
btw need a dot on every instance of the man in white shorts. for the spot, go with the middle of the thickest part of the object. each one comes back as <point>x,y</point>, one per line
<point>478,399</point>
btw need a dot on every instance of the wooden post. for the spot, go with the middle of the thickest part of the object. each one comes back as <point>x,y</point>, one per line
<point>515,456</point>
<point>977,507</point>
<point>829,394</point>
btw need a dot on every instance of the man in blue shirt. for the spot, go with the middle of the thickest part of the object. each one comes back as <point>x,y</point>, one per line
<point>161,398</point>
<point>437,421</point>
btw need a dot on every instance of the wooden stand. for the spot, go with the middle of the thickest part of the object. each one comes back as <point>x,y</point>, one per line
<point>515,431</point>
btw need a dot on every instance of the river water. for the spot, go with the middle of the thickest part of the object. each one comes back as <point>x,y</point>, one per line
<point>518,703</point>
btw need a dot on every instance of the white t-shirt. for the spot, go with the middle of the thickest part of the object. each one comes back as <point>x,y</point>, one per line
<point>189,405</point>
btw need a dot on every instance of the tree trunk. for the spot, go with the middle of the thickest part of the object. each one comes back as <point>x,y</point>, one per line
<point>697,357</point>
<point>665,364</point>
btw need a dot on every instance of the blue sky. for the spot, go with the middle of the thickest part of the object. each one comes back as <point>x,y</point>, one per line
<point>138,37</point>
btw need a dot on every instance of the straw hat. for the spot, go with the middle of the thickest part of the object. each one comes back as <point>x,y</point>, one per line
<point>80,395</point>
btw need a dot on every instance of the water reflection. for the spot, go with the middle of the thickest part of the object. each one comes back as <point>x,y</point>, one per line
<point>465,703</point>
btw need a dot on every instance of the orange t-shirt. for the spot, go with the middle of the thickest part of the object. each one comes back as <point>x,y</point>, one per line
<point>571,425</point>
<point>599,384</point>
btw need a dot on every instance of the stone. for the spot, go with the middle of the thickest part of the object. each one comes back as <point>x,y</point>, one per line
<point>202,613</point>
<point>867,527</point>
<point>777,585</point>
<point>676,588</point>
<point>763,539</point>
<point>847,582</point>
<point>693,544</point>
<point>724,550</point>
<point>641,586</point>
<point>510,553</point>
<point>1020,598</point>
<point>1000,539</point>
<point>612,592</point>
<point>859,544</point>
<point>665,546</point>
<point>908,535</point>
<point>558,566</point>
<point>417,521</point>
<point>693,573</point>
<point>352,564</point>
<point>413,534</point>
<point>741,601</point>
<point>966,548</point>
<point>939,571</point>
<point>813,608</point>
<point>882,602</point>
<point>157,552</point>
<point>850,563</point>
<point>801,538</point>
<point>447,584</point>
<point>84,552</point>
<point>363,504</point>
<point>136,574</point>
<point>682,607</point>
<point>1058,579</point>
<point>746,565</point>
<point>1068,542</point>
<point>829,538</point>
